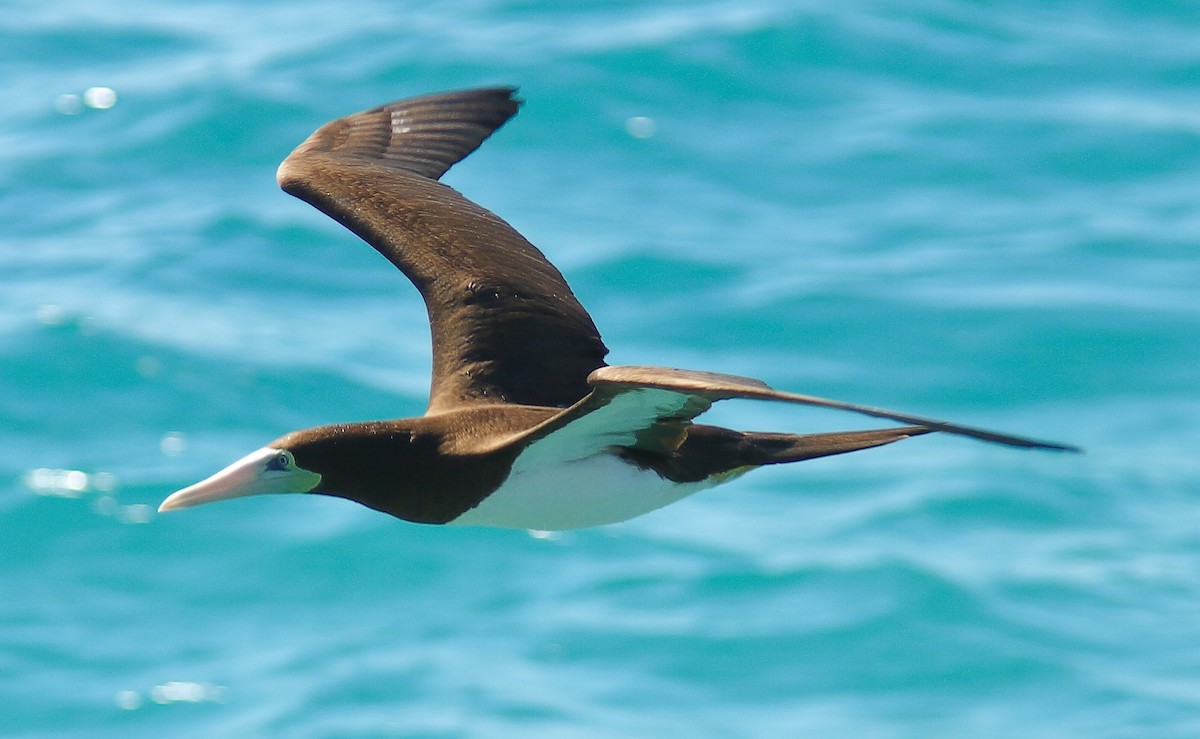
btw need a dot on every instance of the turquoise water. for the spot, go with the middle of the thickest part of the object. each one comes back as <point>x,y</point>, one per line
<point>987,212</point>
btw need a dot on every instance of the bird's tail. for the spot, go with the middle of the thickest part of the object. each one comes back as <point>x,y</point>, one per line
<point>765,448</point>
<point>719,454</point>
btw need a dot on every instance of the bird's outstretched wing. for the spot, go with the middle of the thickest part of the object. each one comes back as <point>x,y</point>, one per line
<point>505,325</point>
<point>650,408</point>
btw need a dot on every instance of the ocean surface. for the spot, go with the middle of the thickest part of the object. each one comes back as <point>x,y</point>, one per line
<point>986,212</point>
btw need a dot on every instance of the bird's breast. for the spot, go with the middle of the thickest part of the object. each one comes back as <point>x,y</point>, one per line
<point>592,491</point>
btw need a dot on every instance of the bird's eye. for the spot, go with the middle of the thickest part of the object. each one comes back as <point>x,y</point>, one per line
<point>280,461</point>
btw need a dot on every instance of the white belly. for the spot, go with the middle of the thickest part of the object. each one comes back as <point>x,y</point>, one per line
<point>592,491</point>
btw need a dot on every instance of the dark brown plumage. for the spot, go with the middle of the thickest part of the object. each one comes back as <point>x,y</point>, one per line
<point>526,424</point>
<point>490,309</point>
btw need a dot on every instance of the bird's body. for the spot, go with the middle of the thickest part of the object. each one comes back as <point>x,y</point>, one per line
<point>593,491</point>
<point>526,427</point>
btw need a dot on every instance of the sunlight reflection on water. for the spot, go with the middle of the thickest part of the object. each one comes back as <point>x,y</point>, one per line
<point>174,691</point>
<point>74,484</point>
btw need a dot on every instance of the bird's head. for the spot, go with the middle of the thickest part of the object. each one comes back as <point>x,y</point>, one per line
<point>405,468</point>
<point>380,464</point>
<point>275,468</point>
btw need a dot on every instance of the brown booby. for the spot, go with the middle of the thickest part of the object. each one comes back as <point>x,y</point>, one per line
<point>527,426</point>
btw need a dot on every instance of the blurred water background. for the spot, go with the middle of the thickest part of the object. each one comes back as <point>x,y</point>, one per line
<point>988,212</point>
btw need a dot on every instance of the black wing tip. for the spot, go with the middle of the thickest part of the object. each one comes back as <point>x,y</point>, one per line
<point>1054,446</point>
<point>500,94</point>
<point>994,437</point>
<point>425,135</point>
<point>500,91</point>
<point>991,437</point>
<point>491,106</point>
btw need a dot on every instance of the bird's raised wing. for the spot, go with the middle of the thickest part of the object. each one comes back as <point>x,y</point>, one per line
<point>505,325</point>
<point>650,408</point>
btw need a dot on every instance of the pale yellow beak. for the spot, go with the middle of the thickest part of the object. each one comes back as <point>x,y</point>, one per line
<point>265,471</point>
